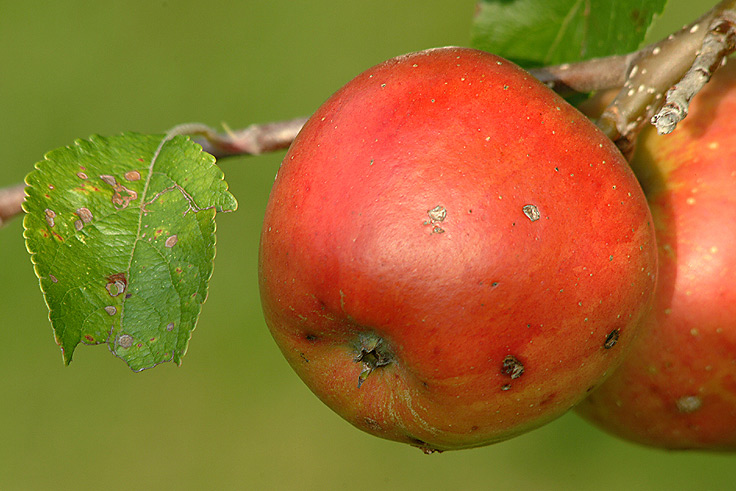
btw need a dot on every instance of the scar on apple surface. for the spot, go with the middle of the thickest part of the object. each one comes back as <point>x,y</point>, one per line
<point>531,212</point>
<point>611,339</point>
<point>436,215</point>
<point>689,404</point>
<point>512,367</point>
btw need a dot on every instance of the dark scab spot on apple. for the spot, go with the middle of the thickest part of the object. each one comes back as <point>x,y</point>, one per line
<point>372,424</point>
<point>531,212</point>
<point>611,339</point>
<point>423,446</point>
<point>506,387</point>
<point>512,367</point>
<point>311,338</point>
<point>549,398</point>
<point>689,404</point>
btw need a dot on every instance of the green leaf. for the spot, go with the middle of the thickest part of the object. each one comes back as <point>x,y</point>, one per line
<point>548,32</point>
<point>122,236</point>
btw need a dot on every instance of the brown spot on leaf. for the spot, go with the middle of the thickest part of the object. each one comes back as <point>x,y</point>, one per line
<point>53,279</point>
<point>84,214</point>
<point>78,225</point>
<point>125,341</point>
<point>111,310</point>
<point>122,196</point>
<point>170,326</point>
<point>171,241</point>
<point>50,215</point>
<point>81,175</point>
<point>132,175</point>
<point>116,284</point>
<point>109,180</point>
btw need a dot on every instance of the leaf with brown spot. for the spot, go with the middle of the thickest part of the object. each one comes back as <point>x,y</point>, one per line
<point>101,278</point>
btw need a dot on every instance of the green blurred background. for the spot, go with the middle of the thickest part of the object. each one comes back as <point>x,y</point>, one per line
<point>233,416</point>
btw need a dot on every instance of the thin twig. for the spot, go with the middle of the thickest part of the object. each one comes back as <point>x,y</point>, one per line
<point>718,43</point>
<point>253,140</point>
<point>653,70</point>
<point>586,76</point>
<point>11,202</point>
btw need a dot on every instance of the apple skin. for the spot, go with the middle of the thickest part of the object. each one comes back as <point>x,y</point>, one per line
<point>451,254</point>
<point>677,388</point>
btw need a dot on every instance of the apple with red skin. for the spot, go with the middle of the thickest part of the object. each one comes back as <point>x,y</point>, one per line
<point>677,388</point>
<point>451,254</point>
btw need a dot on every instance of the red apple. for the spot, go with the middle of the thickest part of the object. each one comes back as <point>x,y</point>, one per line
<point>451,254</point>
<point>677,388</point>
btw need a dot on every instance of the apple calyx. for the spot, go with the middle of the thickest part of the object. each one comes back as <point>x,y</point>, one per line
<point>372,353</point>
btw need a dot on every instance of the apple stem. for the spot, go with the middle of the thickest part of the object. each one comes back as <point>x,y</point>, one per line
<point>255,139</point>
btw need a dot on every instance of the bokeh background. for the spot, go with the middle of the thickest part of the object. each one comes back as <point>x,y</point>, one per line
<point>233,416</point>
